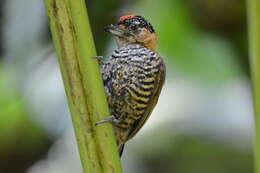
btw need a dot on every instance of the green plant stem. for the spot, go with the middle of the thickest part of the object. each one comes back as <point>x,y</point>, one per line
<point>254,47</point>
<point>74,45</point>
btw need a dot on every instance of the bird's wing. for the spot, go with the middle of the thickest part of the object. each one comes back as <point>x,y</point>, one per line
<point>152,102</point>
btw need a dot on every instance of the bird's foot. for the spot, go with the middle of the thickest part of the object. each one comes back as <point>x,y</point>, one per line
<point>99,58</point>
<point>112,119</point>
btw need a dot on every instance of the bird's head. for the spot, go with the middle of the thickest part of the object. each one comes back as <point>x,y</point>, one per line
<point>133,29</point>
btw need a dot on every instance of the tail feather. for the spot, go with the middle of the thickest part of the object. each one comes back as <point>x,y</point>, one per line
<point>121,149</point>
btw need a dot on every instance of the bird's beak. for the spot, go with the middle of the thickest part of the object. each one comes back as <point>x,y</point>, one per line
<point>115,30</point>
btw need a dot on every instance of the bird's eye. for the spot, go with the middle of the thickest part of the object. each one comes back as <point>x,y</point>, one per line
<point>133,27</point>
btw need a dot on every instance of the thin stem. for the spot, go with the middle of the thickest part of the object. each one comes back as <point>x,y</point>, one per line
<point>254,46</point>
<point>83,84</point>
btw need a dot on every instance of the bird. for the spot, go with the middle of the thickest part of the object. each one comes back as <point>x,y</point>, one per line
<point>133,76</point>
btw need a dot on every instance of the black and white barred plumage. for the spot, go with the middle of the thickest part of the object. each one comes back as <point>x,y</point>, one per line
<point>133,78</point>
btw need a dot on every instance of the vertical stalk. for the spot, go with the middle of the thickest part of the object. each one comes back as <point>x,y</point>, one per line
<point>254,47</point>
<point>82,80</point>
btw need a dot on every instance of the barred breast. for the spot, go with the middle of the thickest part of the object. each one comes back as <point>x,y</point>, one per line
<point>133,77</point>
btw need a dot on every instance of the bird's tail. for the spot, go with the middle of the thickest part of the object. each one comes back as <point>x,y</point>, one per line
<point>121,149</point>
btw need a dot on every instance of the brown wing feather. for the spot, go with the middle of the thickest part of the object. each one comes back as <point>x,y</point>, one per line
<point>152,102</point>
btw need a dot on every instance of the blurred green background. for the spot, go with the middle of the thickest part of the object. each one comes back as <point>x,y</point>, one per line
<point>203,122</point>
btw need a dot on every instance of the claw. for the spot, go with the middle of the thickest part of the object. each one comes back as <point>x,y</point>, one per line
<point>111,119</point>
<point>100,58</point>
